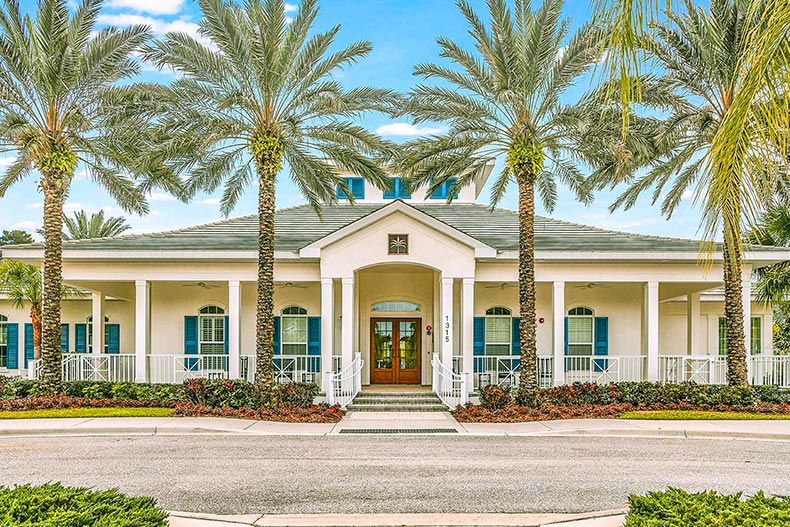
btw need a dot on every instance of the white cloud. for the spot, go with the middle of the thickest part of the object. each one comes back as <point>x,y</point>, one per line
<point>209,201</point>
<point>406,129</point>
<point>27,225</point>
<point>157,26</point>
<point>38,205</point>
<point>6,162</point>
<point>290,7</point>
<point>161,196</point>
<point>687,195</point>
<point>155,7</point>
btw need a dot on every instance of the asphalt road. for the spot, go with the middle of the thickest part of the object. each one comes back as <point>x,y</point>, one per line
<point>246,475</point>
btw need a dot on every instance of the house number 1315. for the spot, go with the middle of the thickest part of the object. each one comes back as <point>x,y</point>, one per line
<point>447,329</point>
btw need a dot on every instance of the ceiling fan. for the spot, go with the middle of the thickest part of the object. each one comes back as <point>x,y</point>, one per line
<point>501,287</point>
<point>591,285</point>
<point>204,285</point>
<point>289,285</point>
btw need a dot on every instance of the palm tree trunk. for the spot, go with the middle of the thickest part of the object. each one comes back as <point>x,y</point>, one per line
<point>35,319</point>
<point>528,381</point>
<point>737,373</point>
<point>53,186</point>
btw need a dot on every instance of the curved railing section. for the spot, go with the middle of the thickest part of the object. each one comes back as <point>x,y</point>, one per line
<point>344,385</point>
<point>450,387</point>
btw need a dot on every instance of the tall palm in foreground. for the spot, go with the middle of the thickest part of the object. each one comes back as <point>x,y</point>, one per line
<point>21,284</point>
<point>60,106</point>
<point>708,83</point>
<point>503,98</point>
<point>256,92</point>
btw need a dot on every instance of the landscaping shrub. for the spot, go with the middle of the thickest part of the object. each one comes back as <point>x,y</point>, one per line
<point>299,394</point>
<point>222,392</point>
<point>676,507</point>
<point>493,397</point>
<point>322,413</point>
<point>64,401</point>
<point>53,505</point>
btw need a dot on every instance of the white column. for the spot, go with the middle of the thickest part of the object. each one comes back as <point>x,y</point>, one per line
<point>651,330</point>
<point>327,325</point>
<point>694,323</point>
<point>558,332</point>
<point>747,310</point>
<point>97,311</point>
<point>347,322</point>
<point>468,328</point>
<point>234,329</point>
<point>446,335</point>
<point>141,329</point>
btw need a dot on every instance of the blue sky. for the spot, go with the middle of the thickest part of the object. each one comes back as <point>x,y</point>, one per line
<point>403,33</point>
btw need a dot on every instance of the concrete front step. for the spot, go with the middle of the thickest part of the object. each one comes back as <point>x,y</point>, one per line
<point>387,401</point>
<point>354,407</point>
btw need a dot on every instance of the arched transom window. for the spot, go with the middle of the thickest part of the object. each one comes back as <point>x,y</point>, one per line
<point>211,320</point>
<point>3,341</point>
<point>294,331</point>
<point>498,331</point>
<point>395,305</point>
<point>581,331</point>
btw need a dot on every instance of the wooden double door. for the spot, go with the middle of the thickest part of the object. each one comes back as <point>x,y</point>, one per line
<point>395,350</point>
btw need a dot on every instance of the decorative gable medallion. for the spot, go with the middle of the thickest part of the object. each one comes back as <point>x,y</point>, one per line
<point>398,244</point>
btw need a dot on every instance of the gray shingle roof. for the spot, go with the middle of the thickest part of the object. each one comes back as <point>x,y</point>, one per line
<point>299,226</point>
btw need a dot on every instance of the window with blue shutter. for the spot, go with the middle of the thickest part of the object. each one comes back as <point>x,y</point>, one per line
<point>399,189</point>
<point>276,342</point>
<point>601,342</point>
<point>479,340</point>
<point>113,333</point>
<point>12,346</point>
<point>190,341</point>
<point>357,187</point>
<point>443,190</point>
<point>515,339</point>
<point>30,350</point>
<point>81,338</point>
<point>314,343</point>
<point>64,338</point>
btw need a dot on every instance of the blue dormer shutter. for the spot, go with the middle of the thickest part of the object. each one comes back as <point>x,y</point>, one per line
<point>12,346</point>
<point>64,338</point>
<point>113,338</point>
<point>515,336</point>
<point>440,192</point>
<point>394,190</point>
<point>276,342</point>
<point>403,192</point>
<point>81,338</point>
<point>29,347</point>
<point>357,185</point>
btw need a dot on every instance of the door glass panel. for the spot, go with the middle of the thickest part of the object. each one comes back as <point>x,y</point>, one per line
<point>408,345</point>
<point>382,335</point>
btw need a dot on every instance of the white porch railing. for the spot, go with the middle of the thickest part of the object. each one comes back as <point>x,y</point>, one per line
<point>175,369</point>
<point>450,387</point>
<point>97,367</point>
<point>699,369</point>
<point>343,386</point>
<point>770,370</point>
<point>337,363</point>
<point>287,368</point>
<point>605,369</point>
<point>504,370</point>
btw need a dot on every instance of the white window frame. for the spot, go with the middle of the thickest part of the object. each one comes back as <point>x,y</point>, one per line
<point>205,315</point>
<point>300,313</point>
<point>4,347</point>
<point>89,331</point>
<point>591,316</point>
<point>505,313</point>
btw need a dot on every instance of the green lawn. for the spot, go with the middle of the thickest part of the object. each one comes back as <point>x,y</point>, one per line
<point>88,412</point>
<point>694,415</point>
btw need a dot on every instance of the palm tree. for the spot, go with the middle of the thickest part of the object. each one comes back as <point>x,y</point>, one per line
<point>773,283</point>
<point>258,94</point>
<point>61,105</point>
<point>709,83</point>
<point>504,99</point>
<point>82,226</point>
<point>21,283</point>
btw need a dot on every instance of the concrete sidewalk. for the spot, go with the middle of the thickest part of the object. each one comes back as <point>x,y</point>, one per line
<point>593,519</point>
<point>382,422</point>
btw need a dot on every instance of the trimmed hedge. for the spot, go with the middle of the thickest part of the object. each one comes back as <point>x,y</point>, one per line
<point>676,507</point>
<point>54,505</point>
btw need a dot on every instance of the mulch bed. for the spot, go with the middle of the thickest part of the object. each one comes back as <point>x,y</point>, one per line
<point>321,413</point>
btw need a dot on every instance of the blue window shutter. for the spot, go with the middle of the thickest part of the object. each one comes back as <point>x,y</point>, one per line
<point>81,338</point>
<point>340,193</point>
<point>357,187</point>
<point>227,334</point>
<point>440,192</point>
<point>190,335</point>
<point>64,338</point>
<point>515,336</point>
<point>276,343</point>
<point>314,335</point>
<point>113,338</point>
<point>566,336</point>
<point>450,182</point>
<point>12,346</point>
<point>29,348</point>
<point>403,191</point>
<point>480,336</point>
<point>394,190</point>
<point>601,335</point>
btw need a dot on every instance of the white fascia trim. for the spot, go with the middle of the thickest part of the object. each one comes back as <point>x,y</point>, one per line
<point>481,250</point>
<point>766,258</point>
<point>38,254</point>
